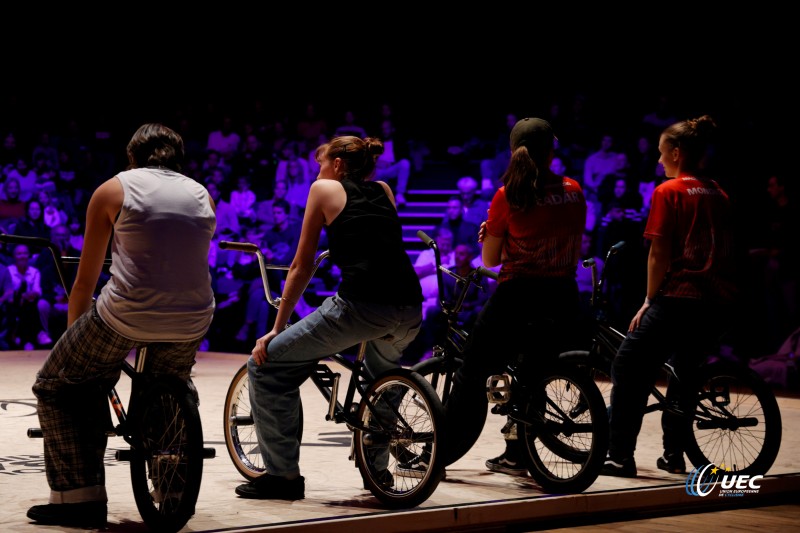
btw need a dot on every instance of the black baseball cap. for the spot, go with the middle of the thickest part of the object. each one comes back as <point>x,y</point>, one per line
<point>534,133</point>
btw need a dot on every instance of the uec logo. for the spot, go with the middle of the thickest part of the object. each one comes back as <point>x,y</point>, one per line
<point>702,481</point>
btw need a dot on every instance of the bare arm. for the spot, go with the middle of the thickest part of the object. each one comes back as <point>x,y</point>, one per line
<point>323,201</point>
<point>103,207</point>
<point>492,249</point>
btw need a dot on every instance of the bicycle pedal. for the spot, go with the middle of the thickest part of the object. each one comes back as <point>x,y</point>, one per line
<point>498,388</point>
<point>324,375</point>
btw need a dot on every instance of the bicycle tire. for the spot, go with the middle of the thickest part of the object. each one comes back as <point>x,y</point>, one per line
<point>439,373</point>
<point>599,369</point>
<point>419,429</point>
<point>565,453</point>
<point>737,421</point>
<point>239,428</point>
<point>166,459</point>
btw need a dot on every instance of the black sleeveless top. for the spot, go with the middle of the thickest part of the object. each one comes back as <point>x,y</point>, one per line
<point>366,243</point>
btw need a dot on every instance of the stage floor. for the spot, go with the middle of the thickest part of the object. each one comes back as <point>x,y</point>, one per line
<point>469,498</point>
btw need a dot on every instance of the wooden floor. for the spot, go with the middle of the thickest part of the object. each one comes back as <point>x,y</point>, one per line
<point>470,499</point>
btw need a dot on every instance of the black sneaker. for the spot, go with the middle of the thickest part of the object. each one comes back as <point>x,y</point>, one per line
<point>623,468</point>
<point>672,463</point>
<point>505,465</point>
<point>84,514</point>
<point>269,487</point>
<point>416,467</point>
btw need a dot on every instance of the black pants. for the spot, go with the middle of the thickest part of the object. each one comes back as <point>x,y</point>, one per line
<point>532,317</point>
<point>680,330</point>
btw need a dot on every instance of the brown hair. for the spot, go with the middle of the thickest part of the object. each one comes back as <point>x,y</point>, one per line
<point>155,145</point>
<point>357,155</point>
<point>696,139</point>
<point>525,176</point>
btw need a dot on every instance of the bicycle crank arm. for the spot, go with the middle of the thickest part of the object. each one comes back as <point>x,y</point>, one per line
<point>125,455</point>
<point>731,424</point>
<point>242,420</point>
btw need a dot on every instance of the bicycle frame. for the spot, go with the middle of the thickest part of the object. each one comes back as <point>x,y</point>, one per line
<point>455,336</point>
<point>606,339</point>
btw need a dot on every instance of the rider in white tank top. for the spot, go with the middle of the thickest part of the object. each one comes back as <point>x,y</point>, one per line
<point>166,223</point>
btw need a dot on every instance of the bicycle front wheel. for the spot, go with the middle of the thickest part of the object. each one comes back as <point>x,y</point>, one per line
<point>737,422</point>
<point>565,431</point>
<point>403,417</point>
<point>166,454</point>
<point>439,372</point>
<point>240,430</point>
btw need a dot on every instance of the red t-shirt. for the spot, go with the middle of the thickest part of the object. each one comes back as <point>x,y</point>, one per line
<point>696,216</point>
<point>543,241</point>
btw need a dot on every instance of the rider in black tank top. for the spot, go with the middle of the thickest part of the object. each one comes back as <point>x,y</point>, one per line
<point>365,241</point>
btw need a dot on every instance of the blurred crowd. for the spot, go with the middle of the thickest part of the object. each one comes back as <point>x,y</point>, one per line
<point>259,164</point>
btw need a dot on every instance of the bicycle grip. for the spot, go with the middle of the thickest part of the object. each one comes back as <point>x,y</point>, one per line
<point>424,237</point>
<point>487,273</point>
<point>238,246</point>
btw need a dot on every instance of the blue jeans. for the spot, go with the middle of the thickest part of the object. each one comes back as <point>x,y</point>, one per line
<point>335,325</point>
<point>680,330</point>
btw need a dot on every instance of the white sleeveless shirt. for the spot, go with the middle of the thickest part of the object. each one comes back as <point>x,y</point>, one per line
<point>160,286</point>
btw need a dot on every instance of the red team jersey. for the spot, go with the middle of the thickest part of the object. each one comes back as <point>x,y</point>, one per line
<point>543,241</point>
<point>696,215</point>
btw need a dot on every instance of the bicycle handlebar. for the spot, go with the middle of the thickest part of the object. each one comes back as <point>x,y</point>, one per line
<point>597,284</point>
<point>264,267</point>
<point>473,277</point>
<point>41,242</point>
<point>485,272</point>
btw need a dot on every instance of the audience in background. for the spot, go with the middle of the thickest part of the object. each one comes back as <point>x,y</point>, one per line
<point>394,164</point>
<point>464,232</point>
<point>67,160</point>
<point>26,324</point>
<point>475,207</point>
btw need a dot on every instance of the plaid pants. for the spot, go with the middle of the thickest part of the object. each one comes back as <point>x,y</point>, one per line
<point>72,388</point>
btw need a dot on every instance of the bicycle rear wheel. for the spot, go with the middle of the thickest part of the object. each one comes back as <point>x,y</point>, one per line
<point>404,416</point>
<point>240,431</point>
<point>565,451</point>
<point>737,422</point>
<point>167,453</point>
